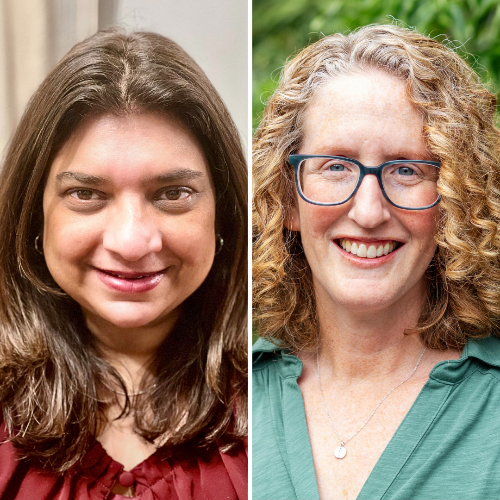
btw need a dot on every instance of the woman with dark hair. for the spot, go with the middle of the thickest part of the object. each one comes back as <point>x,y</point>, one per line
<point>377,275</point>
<point>123,282</point>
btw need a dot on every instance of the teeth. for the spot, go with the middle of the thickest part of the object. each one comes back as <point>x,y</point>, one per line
<point>371,252</point>
<point>128,278</point>
<point>362,250</point>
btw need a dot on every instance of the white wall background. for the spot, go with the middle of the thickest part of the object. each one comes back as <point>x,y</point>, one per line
<point>213,32</point>
<point>35,34</point>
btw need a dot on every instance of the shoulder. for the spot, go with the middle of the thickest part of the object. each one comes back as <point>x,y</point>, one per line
<point>480,359</point>
<point>263,353</point>
<point>271,366</point>
<point>278,425</point>
<point>484,357</point>
<point>455,415</point>
<point>486,350</point>
<point>12,470</point>
<point>274,388</point>
<point>4,431</point>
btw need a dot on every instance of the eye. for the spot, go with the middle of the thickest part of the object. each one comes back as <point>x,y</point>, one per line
<point>336,167</point>
<point>85,194</point>
<point>407,171</point>
<point>176,193</point>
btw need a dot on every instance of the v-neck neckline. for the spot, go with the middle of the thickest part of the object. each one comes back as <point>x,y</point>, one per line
<point>404,441</point>
<point>98,452</point>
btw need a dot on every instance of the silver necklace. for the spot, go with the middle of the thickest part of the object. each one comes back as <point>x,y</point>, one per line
<point>340,451</point>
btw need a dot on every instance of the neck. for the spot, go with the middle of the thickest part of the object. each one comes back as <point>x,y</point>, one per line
<point>362,343</point>
<point>130,350</point>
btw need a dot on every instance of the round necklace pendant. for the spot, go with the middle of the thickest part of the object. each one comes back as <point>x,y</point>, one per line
<point>340,452</point>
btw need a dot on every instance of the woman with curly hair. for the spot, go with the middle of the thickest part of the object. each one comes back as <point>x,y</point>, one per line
<point>123,351</point>
<point>377,275</point>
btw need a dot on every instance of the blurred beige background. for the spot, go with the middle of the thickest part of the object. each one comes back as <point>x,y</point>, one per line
<point>35,34</point>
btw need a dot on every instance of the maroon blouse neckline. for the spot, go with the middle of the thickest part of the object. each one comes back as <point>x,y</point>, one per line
<point>97,459</point>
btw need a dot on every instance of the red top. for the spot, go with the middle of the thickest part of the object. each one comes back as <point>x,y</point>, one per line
<point>205,475</point>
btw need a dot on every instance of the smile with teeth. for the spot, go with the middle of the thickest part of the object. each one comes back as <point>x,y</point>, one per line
<point>128,277</point>
<point>131,276</point>
<point>368,251</point>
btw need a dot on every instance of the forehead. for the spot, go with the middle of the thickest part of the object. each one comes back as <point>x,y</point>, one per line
<point>360,110</point>
<point>124,148</point>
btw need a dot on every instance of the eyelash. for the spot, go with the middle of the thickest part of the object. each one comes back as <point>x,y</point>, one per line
<point>84,190</point>
<point>73,193</point>
<point>177,189</point>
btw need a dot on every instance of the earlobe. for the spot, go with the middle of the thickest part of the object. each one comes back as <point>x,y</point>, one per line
<point>292,219</point>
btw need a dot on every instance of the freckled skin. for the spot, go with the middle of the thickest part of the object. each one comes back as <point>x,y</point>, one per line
<point>369,118</point>
<point>131,223</point>
<point>363,308</point>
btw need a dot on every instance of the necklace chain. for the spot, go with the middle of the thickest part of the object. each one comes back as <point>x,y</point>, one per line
<point>340,451</point>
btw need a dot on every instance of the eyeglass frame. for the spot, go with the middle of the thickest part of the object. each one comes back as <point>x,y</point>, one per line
<point>296,160</point>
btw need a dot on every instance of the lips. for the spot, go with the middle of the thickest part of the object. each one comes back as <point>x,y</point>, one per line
<point>130,282</point>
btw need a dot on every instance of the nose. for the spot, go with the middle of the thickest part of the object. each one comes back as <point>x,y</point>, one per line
<point>369,207</point>
<point>130,232</point>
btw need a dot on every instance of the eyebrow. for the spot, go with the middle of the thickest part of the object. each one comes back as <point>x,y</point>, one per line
<point>96,180</point>
<point>92,180</point>
<point>180,174</point>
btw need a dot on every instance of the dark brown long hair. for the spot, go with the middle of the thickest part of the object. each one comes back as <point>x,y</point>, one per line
<point>52,377</point>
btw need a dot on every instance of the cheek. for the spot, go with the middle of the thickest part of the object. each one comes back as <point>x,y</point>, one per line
<point>315,220</point>
<point>69,238</point>
<point>423,227</point>
<point>190,236</point>
<point>193,240</point>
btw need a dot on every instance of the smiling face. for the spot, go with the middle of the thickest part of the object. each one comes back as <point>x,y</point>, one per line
<point>129,218</point>
<point>365,254</point>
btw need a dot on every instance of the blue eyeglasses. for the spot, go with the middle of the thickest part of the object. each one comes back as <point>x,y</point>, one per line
<point>333,180</point>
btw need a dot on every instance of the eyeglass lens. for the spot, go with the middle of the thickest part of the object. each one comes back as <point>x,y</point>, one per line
<point>326,180</point>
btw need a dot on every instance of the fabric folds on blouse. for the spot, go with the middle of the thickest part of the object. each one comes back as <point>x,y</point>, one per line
<point>446,448</point>
<point>187,474</point>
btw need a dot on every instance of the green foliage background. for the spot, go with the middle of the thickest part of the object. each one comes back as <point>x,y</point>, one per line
<point>282,27</point>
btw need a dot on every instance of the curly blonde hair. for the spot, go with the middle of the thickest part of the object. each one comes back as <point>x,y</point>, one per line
<point>463,298</point>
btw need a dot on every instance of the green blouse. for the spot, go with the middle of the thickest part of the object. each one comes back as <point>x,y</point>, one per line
<point>446,448</point>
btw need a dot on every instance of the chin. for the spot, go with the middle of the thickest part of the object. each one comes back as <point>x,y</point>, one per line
<point>375,295</point>
<point>130,315</point>
<point>128,323</point>
<point>365,303</point>
<point>360,294</point>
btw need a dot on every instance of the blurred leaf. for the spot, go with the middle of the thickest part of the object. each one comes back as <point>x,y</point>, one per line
<point>282,27</point>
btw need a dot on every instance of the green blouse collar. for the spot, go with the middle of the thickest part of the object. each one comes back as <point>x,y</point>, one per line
<point>486,350</point>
